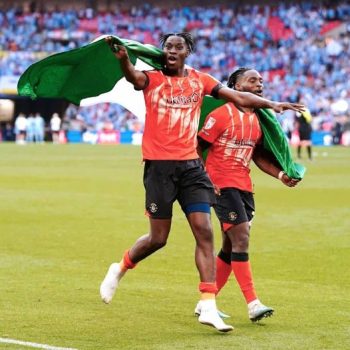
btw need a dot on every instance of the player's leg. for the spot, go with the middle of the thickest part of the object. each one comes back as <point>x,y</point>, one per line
<point>149,243</point>
<point>205,261</point>
<point>241,268</point>
<point>143,247</point>
<point>307,143</point>
<point>223,271</point>
<point>309,151</point>
<point>239,234</point>
<point>204,253</point>
<point>226,214</point>
<point>160,195</point>
<point>299,150</point>
<point>223,262</point>
<point>196,195</point>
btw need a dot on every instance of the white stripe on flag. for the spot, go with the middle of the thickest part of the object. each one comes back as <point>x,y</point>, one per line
<point>124,94</point>
<point>32,345</point>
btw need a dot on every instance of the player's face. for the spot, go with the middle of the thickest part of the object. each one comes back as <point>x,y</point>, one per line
<point>251,81</point>
<point>176,51</point>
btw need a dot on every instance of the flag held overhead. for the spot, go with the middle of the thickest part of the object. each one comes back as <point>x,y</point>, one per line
<point>84,72</point>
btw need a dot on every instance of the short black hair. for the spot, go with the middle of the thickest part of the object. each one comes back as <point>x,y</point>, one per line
<point>185,35</point>
<point>232,80</point>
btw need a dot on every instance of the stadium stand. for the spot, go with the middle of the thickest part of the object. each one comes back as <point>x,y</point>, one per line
<point>302,48</point>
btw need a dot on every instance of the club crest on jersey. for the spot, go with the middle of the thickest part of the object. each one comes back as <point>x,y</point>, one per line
<point>210,123</point>
<point>153,207</point>
<point>232,216</point>
<point>194,85</point>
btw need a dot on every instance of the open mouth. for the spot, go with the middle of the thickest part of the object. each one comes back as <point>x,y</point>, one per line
<point>258,92</point>
<point>172,59</point>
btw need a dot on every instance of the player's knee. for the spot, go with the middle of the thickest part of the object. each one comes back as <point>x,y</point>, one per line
<point>157,243</point>
<point>242,241</point>
<point>203,233</point>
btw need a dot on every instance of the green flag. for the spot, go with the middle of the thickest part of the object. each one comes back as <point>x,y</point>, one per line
<point>276,142</point>
<point>84,72</point>
<point>93,70</point>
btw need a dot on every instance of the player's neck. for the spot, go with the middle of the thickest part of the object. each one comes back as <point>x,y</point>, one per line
<point>180,72</point>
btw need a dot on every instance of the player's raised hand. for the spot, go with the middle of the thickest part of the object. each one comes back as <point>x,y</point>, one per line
<point>118,50</point>
<point>279,107</point>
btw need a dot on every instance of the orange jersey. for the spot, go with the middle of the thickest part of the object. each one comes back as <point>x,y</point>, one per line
<point>233,135</point>
<point>173,107</point>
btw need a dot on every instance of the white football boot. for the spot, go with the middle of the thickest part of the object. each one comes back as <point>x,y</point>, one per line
<point>110,282</point>
<point>198,309</point>
<point>257,310</point>
<point>209,316</point>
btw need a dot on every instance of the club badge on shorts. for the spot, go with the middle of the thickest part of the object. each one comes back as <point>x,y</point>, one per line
<point>153,207</point>
<point>232,215</point>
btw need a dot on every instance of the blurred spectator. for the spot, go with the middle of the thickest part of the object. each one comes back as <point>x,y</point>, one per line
<point>39,128</point>
<point>30,134</point>
<point>304,121</point>
<point>8,133</point>
<point>55,126</point>
<point>337,131</point>
<point>287,122</point>
<point>21,129</point>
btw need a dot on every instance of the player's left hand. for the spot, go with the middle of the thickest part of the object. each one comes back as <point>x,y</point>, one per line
<point>279,107</point>
<point>289,181</point>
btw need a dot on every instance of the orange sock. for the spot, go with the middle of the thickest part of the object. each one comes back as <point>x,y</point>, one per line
<point>223,270</point>
<point>126,263</point>
<point>242,270</point>
<point>207,296</point>
<point>208,290</point>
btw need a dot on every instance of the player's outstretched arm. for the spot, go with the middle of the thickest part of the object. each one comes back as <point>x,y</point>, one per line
<point>132,75</point>
<point>266,162</point>
<point>249,100</point>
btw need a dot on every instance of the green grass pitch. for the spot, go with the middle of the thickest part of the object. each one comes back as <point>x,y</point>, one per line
<point>67,212</point>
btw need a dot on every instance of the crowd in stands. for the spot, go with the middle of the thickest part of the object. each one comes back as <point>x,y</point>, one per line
<point>83,118</point>
<point>293,45</point>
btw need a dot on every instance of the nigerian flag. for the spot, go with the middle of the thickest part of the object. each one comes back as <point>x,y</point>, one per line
<point>91,74</point>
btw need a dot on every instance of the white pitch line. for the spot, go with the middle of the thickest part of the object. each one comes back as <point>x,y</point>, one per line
<point>32,345</point>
